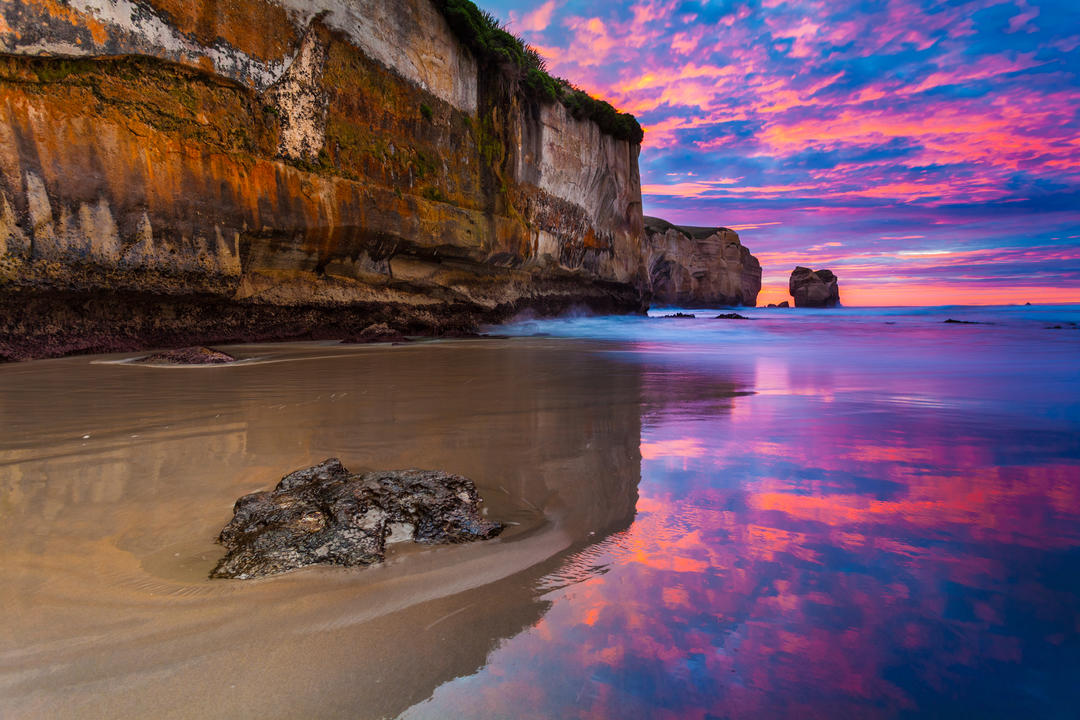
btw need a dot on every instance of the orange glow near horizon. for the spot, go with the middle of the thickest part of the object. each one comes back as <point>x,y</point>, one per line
<point>870,294</point>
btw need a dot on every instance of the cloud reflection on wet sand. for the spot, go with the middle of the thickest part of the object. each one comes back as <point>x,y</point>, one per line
<point>815,552</point>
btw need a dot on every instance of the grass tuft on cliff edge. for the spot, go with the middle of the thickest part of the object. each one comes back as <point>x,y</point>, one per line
<point>496,48</point>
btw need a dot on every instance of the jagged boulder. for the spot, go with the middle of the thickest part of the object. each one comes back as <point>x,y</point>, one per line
<point>814,288</point>
<point>327,515</point>
<point>699,267</point>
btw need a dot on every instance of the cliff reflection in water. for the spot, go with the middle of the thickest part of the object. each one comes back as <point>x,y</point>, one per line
<point>842,543</point>
<point>107,540</point>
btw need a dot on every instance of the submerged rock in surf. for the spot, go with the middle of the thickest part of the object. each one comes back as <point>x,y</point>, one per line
<point>327,515</point>
<point>189,356</point>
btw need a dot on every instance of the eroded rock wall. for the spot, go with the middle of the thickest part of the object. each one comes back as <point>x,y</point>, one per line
<point>699,267</point>
<point>224,170</point>
<point>250,41</point>
<point>581,165</point>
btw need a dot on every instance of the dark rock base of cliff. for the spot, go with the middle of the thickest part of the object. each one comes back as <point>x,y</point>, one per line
<point>327,515</point>
<point>42,324</point>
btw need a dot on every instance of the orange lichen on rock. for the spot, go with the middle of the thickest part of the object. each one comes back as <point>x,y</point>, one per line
<point>259,28</point>
<point>63,11</point>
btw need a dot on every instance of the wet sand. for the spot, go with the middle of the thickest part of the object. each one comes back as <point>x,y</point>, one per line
<point>115,479</point>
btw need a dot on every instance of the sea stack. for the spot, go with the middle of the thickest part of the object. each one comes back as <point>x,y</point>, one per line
<point>814,288</point>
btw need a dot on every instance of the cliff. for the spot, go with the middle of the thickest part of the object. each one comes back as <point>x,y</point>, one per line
<point>699,267</point>
<point>175,171</point>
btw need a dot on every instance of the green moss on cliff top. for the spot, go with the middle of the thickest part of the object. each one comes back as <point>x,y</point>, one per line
<point>496,48</point>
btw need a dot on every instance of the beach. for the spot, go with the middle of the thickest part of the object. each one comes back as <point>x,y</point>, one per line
<point>804,514</point>
<point>118,477</point>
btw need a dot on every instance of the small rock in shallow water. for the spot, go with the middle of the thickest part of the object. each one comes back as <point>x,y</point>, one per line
<point>189,356</point>
<point>731,316</point>
<point>379,333</point>
<point>681,315</point>
<point>327,515</point>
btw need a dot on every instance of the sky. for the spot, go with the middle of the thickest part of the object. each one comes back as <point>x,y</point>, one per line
<point>926,152</point>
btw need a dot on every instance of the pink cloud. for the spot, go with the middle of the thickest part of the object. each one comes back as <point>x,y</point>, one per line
<point>537,20</point>
<point>1020,21</point>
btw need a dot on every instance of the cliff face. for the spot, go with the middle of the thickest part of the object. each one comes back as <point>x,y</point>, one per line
<point>179,170</point>
<point>699,267</point>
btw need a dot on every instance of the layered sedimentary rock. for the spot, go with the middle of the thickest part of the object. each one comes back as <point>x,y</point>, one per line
<point>814,288</point>
<point>177,172</point>
<point>699,267</point>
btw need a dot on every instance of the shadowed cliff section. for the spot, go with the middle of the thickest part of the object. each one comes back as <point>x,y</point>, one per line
<point>287,169</point>
<point>699,266</point>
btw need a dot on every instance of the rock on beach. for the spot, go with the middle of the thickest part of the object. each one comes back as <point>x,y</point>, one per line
<point>327,515</point>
